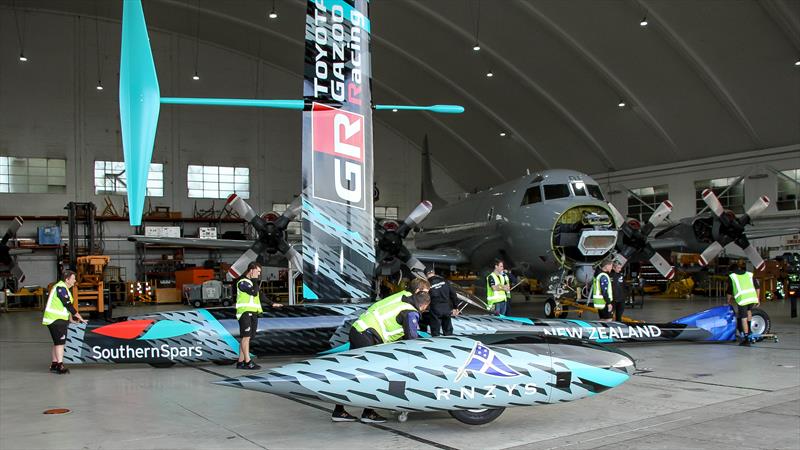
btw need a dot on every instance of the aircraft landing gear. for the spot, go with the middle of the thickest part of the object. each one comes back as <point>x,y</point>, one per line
<point>553,308</point>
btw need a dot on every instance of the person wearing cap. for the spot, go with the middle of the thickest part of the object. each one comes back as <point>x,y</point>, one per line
<point>444,304</point>
<point>602,292</point>
<point>391,319</point>
<point>743,289</point>
<point>58,313</point>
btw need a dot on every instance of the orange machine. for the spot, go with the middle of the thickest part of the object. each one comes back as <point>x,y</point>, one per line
<point>194,275</point>
<point>88,291</point>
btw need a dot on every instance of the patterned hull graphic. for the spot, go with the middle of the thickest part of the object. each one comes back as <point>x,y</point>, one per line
<point>212,334</point>
<point>450,373</point>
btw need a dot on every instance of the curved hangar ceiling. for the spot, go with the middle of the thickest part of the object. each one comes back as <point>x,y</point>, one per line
<point>578,84</point>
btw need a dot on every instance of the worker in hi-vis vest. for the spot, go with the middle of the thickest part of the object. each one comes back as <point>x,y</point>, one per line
<point>248,308</point>
<point>743,289</point>
<point>602,292</point>
<point>393,318</point>
<point>498,289</point>
<point>58,313</point>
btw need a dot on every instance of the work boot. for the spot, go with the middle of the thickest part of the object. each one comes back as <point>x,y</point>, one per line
<point>60,369</point>
<point>370,416</point>
<point>240,364</point>
<point>342,416</point>
<point>250,365</point>
<point>54,367</point>
<point>745,341</point>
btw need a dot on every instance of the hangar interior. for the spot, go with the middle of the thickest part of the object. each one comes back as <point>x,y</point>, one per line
<point>653,99</point>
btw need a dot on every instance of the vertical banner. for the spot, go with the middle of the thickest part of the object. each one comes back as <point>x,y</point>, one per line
<point>338,225</point>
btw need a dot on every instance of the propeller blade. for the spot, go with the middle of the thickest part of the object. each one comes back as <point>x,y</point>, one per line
<point>759,206</point>
<point>663,266</point>
<point>619,220</point>
<point>294,208</point>
<point>710,253</point>
<point>713,202</point>
<point>241,207</point>
<point>240,266</point>
<point>295,259</point>
<point>754,257</point>
<point>17,273</point>
<point>16,223</point>
<point>661,213</point>
<point>415,218</point>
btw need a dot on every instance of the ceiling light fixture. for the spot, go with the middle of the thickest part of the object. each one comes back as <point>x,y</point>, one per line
<point>476,47</point>
<point>20,33</point>
<point>797,63</point>
<point>502,134</point>
<point>99,85</point>
<point>22,57</point>
<point>643,22</point>
<point>99,60</point>
<point>394,109</point>
<point>196,77</point>
<point>489,74</point>
<point>273,14</point>
<point>622,104</point>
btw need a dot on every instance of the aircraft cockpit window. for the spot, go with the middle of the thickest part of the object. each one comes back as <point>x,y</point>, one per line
<point>532,195</point>
<point>579,188</point>
<point>594,191</point>
<point>554,191</point>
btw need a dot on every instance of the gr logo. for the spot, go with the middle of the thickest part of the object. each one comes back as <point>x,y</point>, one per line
<point>337,143</point>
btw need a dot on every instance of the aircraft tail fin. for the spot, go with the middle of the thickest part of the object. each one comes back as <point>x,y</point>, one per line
<point>428,192</point>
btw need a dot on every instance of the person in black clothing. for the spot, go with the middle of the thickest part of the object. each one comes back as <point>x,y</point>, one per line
<point>619,289</point>
<point>444,304</point>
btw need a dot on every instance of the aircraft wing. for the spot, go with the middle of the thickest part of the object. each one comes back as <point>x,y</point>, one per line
<point>441,256</point>
<point>765,233</point>
<point>227,244</point>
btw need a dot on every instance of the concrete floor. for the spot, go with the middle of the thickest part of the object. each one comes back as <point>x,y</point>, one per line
<point>696,396</point>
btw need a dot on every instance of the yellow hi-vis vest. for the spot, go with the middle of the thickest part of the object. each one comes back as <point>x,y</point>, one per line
<point>496,295</point>
<point>597,294</point>
<point>744,290</point>
<point>382,317</point>
<point>55,309</point>
<point>246,302</point>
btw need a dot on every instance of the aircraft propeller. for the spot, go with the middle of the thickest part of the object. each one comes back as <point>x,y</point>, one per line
<point>634,236</point>
<point>271,235</point>
<point>5,251</point>
<point>389,239</point>
<point>728,229</point>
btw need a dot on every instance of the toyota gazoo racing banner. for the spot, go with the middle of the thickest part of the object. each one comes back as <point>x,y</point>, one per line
<point>338,234</point>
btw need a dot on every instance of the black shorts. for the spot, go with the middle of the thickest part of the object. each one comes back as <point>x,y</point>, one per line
<point>58,331</point>
<point>248,325</point>
<point>742,313</point>
<point>603,312</point>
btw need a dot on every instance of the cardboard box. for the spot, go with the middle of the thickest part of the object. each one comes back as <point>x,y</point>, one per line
<point>167,295</point>
<point>207,233</point>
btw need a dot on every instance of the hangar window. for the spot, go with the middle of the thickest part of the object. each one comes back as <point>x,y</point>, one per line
<point>643,201</point>
<point>386,212</point>
<point>295,225</point>
<point>733,199</point>
<point>33,175</point>
<point>218,181</point>
<point>532,195</point>
<point>554,191</point>
<point>789,190</point>
<point>594,191</point>
<point>110,178</point>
